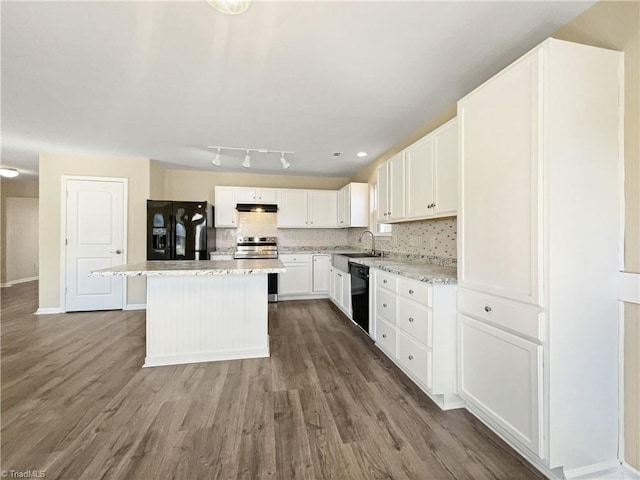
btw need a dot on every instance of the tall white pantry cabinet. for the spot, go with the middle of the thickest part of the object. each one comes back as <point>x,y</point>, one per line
<point>539,236</point>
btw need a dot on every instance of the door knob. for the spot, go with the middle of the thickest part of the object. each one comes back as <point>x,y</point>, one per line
<point>116,251</point>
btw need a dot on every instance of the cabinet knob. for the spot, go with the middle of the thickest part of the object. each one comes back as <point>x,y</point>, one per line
<point>384,335</point>
<point>410,357</point>
<point>384,305</point>
<point>388,213</point>
<point>410,292</point>
<point>385,214</point>
<point>339,274</point>
<point>487,308</point>
<point>410,320</point>
<point>384,281</point>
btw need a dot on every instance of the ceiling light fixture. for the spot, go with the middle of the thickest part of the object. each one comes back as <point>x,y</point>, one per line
<point>8,172</point>
<point>247,158</point>
<point>216,161</point>
<point>284,162</point>
<point>230,7</point>
<point>362,154</point>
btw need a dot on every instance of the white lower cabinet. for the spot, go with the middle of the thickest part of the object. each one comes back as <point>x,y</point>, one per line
<point>415,326</point>
<point>307,276</point>
<point>500,374</point>
<point>321,265</point>
<point>340,290</point>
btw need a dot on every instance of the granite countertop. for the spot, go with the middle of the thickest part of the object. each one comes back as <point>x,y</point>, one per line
<point>325,250</point>
<point>193,268</point>
<point>423,272</point>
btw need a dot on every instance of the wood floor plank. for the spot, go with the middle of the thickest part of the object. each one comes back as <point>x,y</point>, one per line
<point>327,404</point>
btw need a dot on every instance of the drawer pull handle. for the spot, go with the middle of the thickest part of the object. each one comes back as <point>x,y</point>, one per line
<point>410,292</point>
<point>384,305</point>
<point>410,319</point>
<point>487,308</point>
<point>384,335</point>
<point>410,357</point>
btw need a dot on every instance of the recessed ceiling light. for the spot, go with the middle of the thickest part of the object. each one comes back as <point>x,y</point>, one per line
<point>8,172</point>
<point>362,154</point>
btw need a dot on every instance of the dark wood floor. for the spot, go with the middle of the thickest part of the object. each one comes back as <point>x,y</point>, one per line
<point>327,404</point>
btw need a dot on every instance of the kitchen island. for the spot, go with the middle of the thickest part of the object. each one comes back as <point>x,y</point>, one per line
<point>203,311</point>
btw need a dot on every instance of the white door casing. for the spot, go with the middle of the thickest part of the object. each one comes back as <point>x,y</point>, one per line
<point>94,237</point>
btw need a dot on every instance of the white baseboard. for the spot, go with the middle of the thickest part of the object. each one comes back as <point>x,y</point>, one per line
<point>313,296</point>
<point>629,287</point>
<point>21,280</point>
<point>135,306</point>
<point>163,360</point>
<point>628,472</point>
<point>604,470</point>
<point>48,311</point>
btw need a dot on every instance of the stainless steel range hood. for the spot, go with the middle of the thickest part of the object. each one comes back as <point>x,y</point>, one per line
<point>256,207</point>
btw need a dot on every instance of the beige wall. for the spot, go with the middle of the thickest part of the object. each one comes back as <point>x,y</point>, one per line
<point>52,167</point>
<point>156,181</point>
<point>616,25</point>
<point>11,188</point>
<point>190,185</point>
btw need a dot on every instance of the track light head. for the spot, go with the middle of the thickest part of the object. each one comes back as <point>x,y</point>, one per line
<point>284,162</point>
<point>216,161</point>
<point>247,160</point>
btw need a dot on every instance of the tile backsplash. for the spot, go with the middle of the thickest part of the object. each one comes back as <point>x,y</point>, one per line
<point>265,225</point>
<point>426,237</point>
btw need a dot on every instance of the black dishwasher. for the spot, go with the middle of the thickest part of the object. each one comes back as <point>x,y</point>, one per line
<point>360,295</point>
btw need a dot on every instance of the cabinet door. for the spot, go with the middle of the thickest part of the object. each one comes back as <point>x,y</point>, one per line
<point>382,193</point>
<point>498,221</point>
<point>419,178</point>
<point>296,280</point>
<point>245,195</point>
<point>346,293</point>
<point>343,207</point>
<point>501,375</point>
<point>323,208</point>
<point>292,209</point>
<point>225,207</point>
<point>446,170</point>
<point>358,205</point>
<point>396,187</point>
<point>267,196</point>
<point>332,284</point>
<point>321,273</point>
<point>338,277</point>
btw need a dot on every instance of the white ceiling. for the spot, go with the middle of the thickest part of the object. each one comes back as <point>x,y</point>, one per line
<point>163,80</point>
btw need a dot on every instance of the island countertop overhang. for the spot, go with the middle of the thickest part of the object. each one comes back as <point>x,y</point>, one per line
<point>185,268</point>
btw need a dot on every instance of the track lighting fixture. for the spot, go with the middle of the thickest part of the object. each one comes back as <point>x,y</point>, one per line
<point>247,160</point>
<point>284,162</point>
<point>216,161</point>
<point>246,163</point>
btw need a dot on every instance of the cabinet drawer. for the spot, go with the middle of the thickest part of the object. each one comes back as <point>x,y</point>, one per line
<point>415,358</point>
<point>387,280</point>
<point>416,320</point>
<point>417,291</point>
<point>386,305</point>
<point>293,258</point>
<point>522,319</point>
<point>386,336</point>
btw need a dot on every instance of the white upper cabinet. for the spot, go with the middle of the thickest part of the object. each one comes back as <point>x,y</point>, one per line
<point>292,209</point>
<point>225,213</point>
<point>421,182</point>
<point>420,176</point>
<point>256,195</point>
<point>445,184</point>
<point>307,208</point>
<point>382,212</point>
<point>396,187</point>
<point>353,205</point>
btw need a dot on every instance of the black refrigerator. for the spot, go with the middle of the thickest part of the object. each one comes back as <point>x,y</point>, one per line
<point>177,230</point>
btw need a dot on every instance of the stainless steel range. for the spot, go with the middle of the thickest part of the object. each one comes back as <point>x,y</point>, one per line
<point>255,248</point>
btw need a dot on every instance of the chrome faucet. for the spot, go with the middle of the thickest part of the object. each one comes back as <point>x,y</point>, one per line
<point>373,241</point>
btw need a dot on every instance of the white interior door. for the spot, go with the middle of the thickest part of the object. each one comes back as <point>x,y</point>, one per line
<point>95,239</point>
